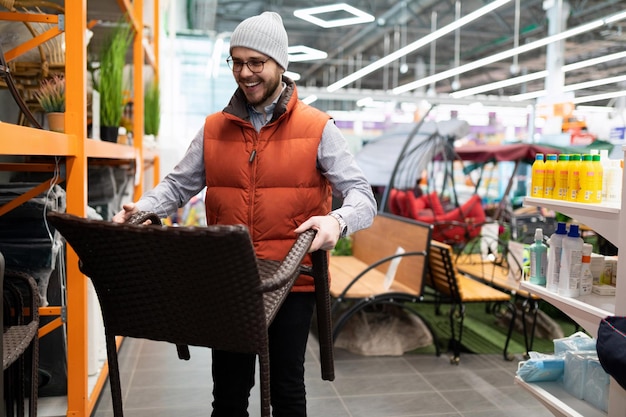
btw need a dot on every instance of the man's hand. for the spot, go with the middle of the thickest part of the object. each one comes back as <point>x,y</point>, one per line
<point>128,210</point>
<point>328,232</point>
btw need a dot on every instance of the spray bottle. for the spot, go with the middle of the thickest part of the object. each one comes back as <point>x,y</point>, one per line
<point>555,243</point>
<point>571,262</point>
<point>538,259</point>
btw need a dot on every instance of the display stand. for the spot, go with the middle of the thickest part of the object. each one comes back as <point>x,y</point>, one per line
<point>609,221</point>
<point>77,151</point>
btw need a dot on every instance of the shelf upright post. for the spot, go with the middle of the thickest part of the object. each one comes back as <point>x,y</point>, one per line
<point>76,129</point>
<point>138,94</point>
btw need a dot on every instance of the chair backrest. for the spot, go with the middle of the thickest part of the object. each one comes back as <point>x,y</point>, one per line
<point>387,234</point>
<point>441,271</point>
<point>172,284</point>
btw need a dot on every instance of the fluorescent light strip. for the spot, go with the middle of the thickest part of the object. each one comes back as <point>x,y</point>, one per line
<point>415,45</point>
<point>497,57</point>
<point>536,75</point>
<point>599,97</point>
<point>299,53</point>
<point>570,87</point>
<point>359,15</point>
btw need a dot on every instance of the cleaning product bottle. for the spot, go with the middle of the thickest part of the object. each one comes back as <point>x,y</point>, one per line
<point>537,177</point>
<point>571,260</point>
<point>599,178</point>
<point>560,181</point>
<point>586,277</point>
<point>538,259</point>
<point>573,177</point>
<point>613,182</point>
<point>549,176</point>
<point>586,180</point>
<point>555,246</point>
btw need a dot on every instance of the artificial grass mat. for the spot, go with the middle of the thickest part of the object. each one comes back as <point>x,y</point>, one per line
<point>482,333</point>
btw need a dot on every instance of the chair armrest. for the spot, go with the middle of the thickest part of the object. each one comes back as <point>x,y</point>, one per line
<point>141,216</point>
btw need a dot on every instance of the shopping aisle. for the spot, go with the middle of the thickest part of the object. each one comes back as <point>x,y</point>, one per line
<point>157,384</point>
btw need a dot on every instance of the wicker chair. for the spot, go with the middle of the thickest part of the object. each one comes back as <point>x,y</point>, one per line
<point>191,286</point>
<point>21,306</point>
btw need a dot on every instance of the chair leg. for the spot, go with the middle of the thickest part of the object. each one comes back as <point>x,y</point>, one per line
<point>456,316</point>
<point>114,376</point>
<point>34,383</point>
<point>512,309</point>
<point>264,365</point>
<point>533,307</point>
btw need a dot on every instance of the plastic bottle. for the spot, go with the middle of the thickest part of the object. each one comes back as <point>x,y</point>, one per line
<point>573,177</point>
<point>599,178</point>
<point>586,277</point>
<point>614,182</point>
<point>571,259</point>
<point>549,176</point>
<point>555,245</point>
<point>537,177</point>
<point>562,165</point>
<point>586,180</point>
<point>538,259</point>
<point>604,160</point>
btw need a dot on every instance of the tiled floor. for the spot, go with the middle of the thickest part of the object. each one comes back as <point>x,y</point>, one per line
<point>156,384</point>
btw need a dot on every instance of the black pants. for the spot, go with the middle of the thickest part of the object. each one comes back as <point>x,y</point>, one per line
<point>233,373</point>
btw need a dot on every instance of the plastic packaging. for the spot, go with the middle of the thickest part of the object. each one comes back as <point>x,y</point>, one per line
<point>555,243</point>
<point>571,260</point>
<point>587,180</point>
<point>613,181</point>
<point>560,180</point>
<point>549,176</point>
<point>538,259</point>
<point>537,177</point>
<point>599,179</point>
<point>573,177</point>
<point>586,278</point>
<point>541,368</point>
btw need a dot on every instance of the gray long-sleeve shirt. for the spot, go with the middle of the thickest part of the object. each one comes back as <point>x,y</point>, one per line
<point>334,160</point>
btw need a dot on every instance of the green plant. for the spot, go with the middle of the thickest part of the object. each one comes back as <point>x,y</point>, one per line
<point>110,78</point>
<point>51,94</point>
<point>152,108</point>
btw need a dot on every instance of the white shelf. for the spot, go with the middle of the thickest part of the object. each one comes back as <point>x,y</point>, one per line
<point>558,400</point>
<point>586,310</point>
<point>603,218</point>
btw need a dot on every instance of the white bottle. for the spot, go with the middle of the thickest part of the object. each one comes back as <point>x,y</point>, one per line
<point>571,260</point>
<point>613,182</point>
<point>586,277</point>
<point>555,245</point>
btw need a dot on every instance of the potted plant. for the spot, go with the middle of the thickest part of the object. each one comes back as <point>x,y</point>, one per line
<point>152,109</point>
<point>51,98</point>
<point>110,78</point>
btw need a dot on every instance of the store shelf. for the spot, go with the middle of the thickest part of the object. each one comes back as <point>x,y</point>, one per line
<point>586,310</point>
<point>21,140</point>
<point>558,400</point>
<point>602,218</point>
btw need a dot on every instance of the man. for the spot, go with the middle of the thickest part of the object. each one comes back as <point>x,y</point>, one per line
<point>270,162</point>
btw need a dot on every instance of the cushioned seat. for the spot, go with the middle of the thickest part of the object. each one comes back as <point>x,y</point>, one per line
<point>201,286</point>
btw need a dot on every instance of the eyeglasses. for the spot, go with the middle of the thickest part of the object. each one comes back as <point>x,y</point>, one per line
<point>254,65</point>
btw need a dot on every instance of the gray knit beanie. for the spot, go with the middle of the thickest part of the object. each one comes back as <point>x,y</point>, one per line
<point>264,33</point>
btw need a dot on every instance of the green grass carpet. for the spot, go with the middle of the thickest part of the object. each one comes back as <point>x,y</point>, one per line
<point>482,333</point>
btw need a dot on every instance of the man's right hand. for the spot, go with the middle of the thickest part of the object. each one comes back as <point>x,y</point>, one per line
<point>128,210</point>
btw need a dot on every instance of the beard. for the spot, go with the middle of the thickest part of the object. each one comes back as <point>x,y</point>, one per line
<point>270,87</point>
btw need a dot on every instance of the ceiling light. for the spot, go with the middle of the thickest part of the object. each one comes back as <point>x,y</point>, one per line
<point>299,53</point>
<point>293,75</point>
<point>358,16</point>
<point>570,87</point>
<point>507,54</point>
<point>535,75</point>
<point>416,45</point>
<point>599,97</point>
<point>309,99</point>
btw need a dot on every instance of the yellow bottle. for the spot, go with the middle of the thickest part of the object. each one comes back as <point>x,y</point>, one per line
<point>573,177</point>
<point>537,177</point>
<point>587,181</point>
<point>549,176</point>
<point>599,176</point>
<point>560,191</point>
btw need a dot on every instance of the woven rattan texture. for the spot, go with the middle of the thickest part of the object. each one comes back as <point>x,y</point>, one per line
<point>188,286</point>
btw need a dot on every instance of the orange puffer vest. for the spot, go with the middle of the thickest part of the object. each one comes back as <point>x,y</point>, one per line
<point>269,180</point>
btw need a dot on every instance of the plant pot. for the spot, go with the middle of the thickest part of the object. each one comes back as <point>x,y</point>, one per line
<point>56,122</point>
<point>109,133</point>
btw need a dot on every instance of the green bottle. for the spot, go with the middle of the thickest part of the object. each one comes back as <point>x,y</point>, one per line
<point>538,259</point>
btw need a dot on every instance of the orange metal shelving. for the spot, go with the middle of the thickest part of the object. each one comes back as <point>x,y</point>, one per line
<point>77,151</point>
